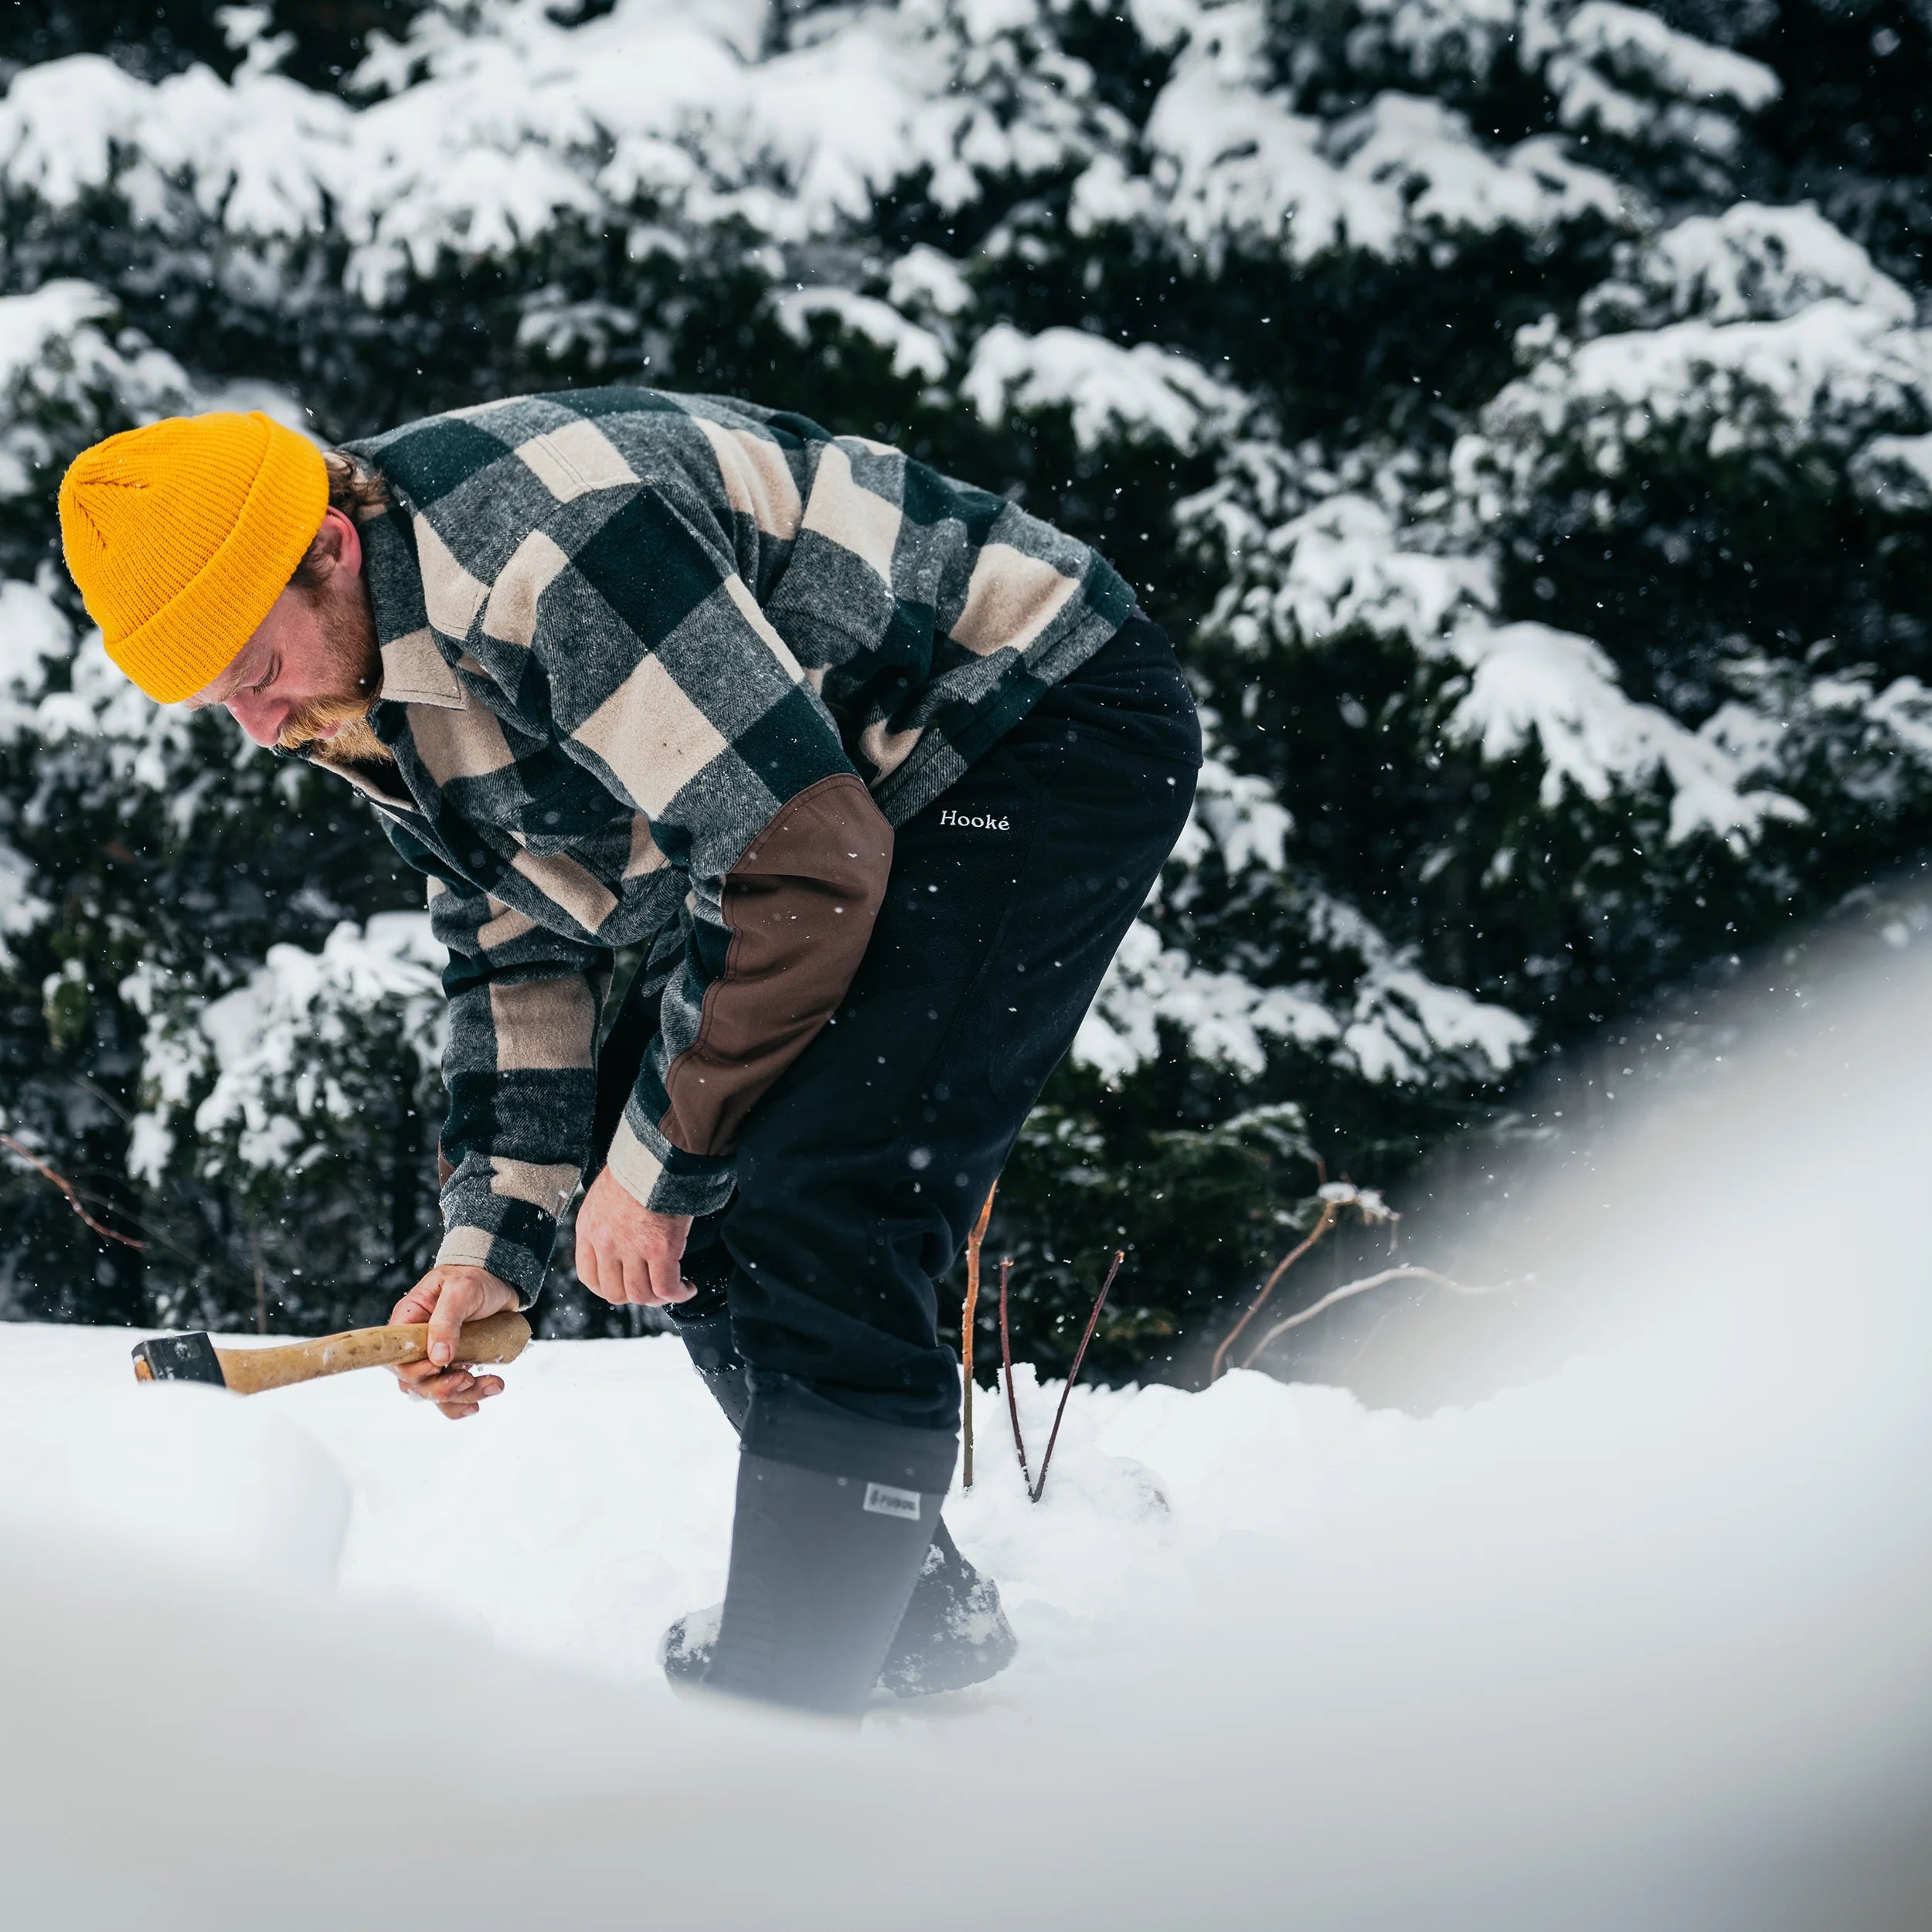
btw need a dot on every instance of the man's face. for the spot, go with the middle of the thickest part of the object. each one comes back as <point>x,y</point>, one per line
<point>311,670</point>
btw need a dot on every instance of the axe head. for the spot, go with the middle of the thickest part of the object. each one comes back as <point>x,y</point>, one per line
<point>179,1357</point>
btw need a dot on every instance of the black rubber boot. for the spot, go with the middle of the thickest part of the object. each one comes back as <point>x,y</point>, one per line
<point>955,1632</point>
<point>835,1516</point>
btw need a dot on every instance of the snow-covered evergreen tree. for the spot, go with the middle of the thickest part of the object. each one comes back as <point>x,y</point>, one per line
<point>1519,409</point>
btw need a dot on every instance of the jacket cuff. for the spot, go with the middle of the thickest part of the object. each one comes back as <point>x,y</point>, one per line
<point>512,1238</point>
<point>664,1178</point>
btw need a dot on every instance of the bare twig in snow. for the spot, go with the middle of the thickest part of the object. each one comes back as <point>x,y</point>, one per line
<point>1073,1375</point>
<point>1324,1221</point>
<point>1368,1281</point>
<point>1336,1197</point>
<point>67,1187</point>
<point>1006,1372</point>
<point>966,1329</point>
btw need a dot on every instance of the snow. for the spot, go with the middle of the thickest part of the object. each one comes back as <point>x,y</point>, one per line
<point>100,705</point>
<point>1239,166</point>
<point>238,1490</point>
<point>1753,263</point>
<point>1891,736</point>
<point>1637,48</point>
<point>22,909</point>
<point>1402,1026</point>
<point>485,134</point>
<point>1393,1023</point>
<point>1238,814</point>
<point>261,153</point>
<point>923,277</point>
<point>1236,165</point>
<point>33,635</point>
<point>273,1052</point>
<point>1895,472</point>
<point>1619,71</point>
<point>1406,1022</point>
<point>571,1571</point>
<point>1902,710</point>
<point>1224,1018</point>
<point>56,360</point>
<point>1110,392</point>
<point>1604,1648</point>
<point>915,350</point>
<point>1828,378</point>
<point>59,123</point>
<point>1343,566</point>
<point>1532,685</point>
<point>1438,37</point>
<point>1444,182</point>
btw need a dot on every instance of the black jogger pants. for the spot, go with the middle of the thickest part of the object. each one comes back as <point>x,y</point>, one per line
<point>860,1172</point>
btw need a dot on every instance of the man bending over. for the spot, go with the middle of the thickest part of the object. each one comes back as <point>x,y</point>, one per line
<point>875,768</point>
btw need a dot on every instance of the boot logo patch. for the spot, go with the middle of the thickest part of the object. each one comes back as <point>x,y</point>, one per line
<point>882,1500</point>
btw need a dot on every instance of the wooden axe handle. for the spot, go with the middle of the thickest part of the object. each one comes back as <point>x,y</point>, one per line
<point>498,1337</point>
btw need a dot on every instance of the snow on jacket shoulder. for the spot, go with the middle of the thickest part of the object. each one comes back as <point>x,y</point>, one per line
<point>664,668</point>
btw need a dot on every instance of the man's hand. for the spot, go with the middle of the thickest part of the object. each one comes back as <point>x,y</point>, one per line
<point>625,1252</point>
<point>447,1297</point>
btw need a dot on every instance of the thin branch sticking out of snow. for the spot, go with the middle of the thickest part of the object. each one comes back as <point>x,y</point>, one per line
<point>972,1241</point>
<point>1334,1197</point>
<point>1350,1289</point>
<point>1036,1490</point>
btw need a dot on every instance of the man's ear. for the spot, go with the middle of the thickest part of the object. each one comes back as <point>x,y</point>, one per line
<point>342,545</point>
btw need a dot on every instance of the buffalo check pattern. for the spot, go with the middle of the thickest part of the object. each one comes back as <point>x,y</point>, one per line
<point>664,671</point>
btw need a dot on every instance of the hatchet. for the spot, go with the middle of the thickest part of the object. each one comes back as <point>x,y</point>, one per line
<point>195,1358</point>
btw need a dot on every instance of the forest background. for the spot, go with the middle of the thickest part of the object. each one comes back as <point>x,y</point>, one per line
<point>1519,410</point>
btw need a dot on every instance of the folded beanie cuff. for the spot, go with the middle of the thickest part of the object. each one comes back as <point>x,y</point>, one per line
<point>195,636</point>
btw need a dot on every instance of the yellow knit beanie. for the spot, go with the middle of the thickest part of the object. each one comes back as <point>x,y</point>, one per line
<point>181,534</point>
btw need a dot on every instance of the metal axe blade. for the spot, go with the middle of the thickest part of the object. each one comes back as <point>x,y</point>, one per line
<point>179,1357</point>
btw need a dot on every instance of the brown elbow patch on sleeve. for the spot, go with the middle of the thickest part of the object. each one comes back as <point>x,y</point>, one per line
<point>801,904</point>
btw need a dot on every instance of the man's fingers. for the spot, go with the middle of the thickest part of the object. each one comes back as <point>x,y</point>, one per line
<point>643,1277</point>
<point>666,1284</point>
<point>617,1275</point>
<point>638,1290</point>
<point>445,1386</point>
<point>636,1281</point>
<point>454,1306</point>
<point>448,1384</point>
<point>439,1385</point>
<point>444,1300</point>
<point>414,1306</point>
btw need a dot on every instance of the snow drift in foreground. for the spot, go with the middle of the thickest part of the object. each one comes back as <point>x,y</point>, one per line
<point>1639,1645</point>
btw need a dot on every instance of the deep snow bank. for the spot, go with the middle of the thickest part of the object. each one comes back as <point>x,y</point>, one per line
<point>578,1515</point>
<point>1640,1643</point>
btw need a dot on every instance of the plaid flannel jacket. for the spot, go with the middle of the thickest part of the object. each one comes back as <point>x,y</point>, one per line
<point>664,671</point>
